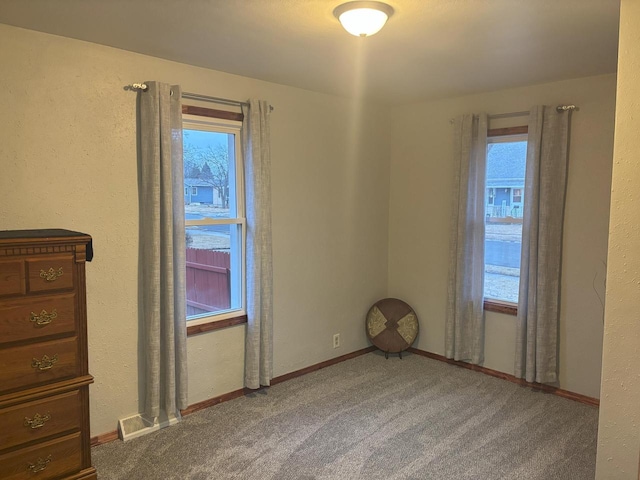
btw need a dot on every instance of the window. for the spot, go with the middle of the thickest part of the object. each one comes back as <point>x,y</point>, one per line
<point>506,158</point>
<point>517,195</point>
<point>215,222</point>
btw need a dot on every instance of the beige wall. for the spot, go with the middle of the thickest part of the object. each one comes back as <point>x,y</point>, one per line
<point>68,160</point>
<point>619,428</point>
<point>420,203</point>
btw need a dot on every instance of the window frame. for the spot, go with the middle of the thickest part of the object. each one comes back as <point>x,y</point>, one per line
<point>504,135</point>
<point>219,121</point>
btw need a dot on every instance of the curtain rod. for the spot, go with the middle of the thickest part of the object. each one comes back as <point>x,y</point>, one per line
<point>559,108</point>
<point>509,115</point>
<point>202,98</point>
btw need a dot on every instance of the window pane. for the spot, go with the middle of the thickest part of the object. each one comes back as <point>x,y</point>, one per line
<point>214,235</point>
<point>209,169</point>
<point>503,228</point>
<point>214,266</point>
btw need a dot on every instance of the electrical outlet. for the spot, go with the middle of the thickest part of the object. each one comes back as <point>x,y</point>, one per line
<point>336,340</point>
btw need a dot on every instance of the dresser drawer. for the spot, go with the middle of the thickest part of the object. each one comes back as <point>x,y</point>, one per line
<point>11,277</point>
<point>35,317</point>
<point>44,461</point>
<point>53,272</point>
<point>39,419</point>
<point>38,363</point>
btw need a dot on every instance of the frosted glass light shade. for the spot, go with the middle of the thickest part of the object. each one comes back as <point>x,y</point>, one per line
<point>363,19</point>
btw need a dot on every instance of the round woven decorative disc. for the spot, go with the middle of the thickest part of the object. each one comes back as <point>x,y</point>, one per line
<point>392,325</point>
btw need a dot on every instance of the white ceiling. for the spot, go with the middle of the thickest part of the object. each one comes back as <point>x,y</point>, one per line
<point>428,49</point>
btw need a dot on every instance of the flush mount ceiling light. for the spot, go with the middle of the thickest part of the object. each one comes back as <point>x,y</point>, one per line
<point>363,19</point>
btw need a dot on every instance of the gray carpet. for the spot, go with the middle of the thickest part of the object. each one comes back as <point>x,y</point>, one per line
<point>371,418</point>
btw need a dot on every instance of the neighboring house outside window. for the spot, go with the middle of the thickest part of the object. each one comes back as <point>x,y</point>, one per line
<point>214,219</point>
<point>197,191</point>
<point>506,158</point>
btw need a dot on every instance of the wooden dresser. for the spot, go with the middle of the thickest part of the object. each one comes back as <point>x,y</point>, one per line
<point>44,378</point>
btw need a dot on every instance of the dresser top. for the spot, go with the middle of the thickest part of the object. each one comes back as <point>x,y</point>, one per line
<point>40,237</point>
<point>41,233</point>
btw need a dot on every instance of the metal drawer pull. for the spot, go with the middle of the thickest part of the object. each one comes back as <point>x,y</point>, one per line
<point>51,275</point>
<point>44,318</point>
<point>40,465</point>
<point>46,363</point>
<point>37,421</point>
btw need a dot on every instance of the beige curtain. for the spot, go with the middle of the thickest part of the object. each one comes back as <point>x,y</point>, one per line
<point>464,335</point>
<point>257,161</point>
<point>544,199</point>
<point>162,251</point>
